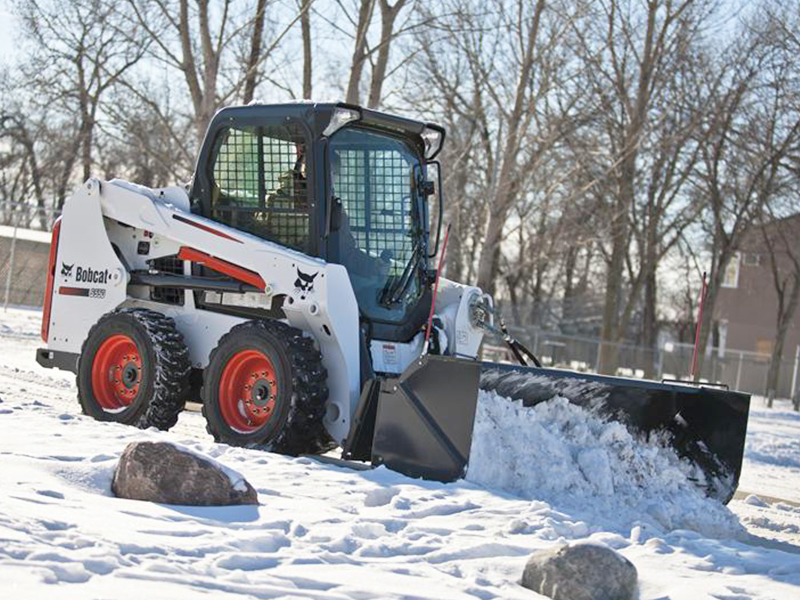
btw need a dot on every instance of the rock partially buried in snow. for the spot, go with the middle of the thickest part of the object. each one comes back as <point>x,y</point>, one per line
<point>167,474</point>
<point>580,572</point>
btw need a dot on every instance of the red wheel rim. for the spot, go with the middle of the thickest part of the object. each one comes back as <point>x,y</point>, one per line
<point>116,373</point>
<point>247,391</point>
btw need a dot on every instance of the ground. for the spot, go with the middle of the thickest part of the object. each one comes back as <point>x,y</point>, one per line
<point>324,531</point>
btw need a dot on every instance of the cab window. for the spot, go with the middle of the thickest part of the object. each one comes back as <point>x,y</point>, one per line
<point>259,183</point>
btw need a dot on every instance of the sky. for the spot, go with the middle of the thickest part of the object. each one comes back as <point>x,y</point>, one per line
<point>7,30</point>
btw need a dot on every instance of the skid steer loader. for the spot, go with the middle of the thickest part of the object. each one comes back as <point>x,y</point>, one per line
<point>292,287</point>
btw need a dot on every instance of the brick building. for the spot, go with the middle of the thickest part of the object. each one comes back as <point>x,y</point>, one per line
<point>745,314</point>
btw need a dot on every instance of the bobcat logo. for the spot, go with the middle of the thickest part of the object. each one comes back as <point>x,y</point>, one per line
<point>66,270</point>
<point>304,284</point>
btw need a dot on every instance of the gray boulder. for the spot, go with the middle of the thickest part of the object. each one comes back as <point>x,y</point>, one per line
<point>164,473</point>
<point>580,572</point>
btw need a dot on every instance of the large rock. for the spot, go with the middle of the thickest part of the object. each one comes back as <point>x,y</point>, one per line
<point>580,572</point>
<point>161,472</point>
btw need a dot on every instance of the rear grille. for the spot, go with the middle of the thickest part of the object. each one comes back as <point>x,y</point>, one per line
<point>172,265</point>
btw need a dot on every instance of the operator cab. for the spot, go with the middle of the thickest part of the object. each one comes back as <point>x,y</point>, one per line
<point>339,182</point>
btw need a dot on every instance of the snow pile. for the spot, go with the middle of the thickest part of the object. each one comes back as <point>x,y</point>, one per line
<point>569,456</point>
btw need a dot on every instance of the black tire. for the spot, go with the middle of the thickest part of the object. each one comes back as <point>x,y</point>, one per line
<point>163,370</point>
<point>297,395</point>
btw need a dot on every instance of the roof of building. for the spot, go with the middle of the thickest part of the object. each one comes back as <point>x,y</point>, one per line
<point>31,235</point>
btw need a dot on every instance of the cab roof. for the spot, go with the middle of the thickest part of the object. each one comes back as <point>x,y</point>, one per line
<point>317,115</point>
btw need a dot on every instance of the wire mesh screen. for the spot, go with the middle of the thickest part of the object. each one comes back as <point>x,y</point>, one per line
<point>167,264</point>
<point>260,184</point>
<point>375,189</point>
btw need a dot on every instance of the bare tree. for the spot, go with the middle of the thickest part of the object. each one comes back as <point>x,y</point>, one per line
<point>748,132</point>
<point>524,92</point>
<point>633,55</point>
<point>78,55</point>
<point>453,92</point>
<point>200,44</point>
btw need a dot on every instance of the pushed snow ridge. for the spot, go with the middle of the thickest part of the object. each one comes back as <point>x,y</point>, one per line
<point>570,456</point>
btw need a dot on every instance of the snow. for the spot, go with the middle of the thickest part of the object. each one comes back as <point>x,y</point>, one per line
<point>772,451</point>
<point>325,531</point>
<point>568,456</point>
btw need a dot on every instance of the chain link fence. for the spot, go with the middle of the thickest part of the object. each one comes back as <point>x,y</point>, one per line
<point>739,370</point>
<point>24,253</point>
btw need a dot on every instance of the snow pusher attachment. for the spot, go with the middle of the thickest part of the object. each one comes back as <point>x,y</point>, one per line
<point>705,425</point>
<point>421,422</point>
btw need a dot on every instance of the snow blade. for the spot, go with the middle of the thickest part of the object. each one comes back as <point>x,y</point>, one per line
<point>424,420</point>
<point>705,425</point>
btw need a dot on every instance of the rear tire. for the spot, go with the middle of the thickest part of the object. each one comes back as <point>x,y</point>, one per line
<point>133,369</point>
<point>265,386</point>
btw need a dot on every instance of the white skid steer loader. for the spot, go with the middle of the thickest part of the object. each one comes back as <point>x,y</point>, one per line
<point>293,290</point>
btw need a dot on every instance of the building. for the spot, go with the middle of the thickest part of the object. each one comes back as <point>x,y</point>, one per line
<point>24,255</point>
<point>745,313</point>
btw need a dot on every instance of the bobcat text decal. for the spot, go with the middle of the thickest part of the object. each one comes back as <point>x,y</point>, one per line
<point>87,274</point>
<point>80,274</point>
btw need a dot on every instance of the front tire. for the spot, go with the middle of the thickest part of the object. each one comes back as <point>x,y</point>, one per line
<point>265,386</point>
<point>134,369</point>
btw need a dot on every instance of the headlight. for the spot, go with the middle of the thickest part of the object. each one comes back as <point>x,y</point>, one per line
<point>341,117</point>
<point>433,141</point>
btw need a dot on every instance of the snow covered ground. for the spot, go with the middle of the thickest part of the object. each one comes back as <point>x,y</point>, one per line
<point>324,531</point>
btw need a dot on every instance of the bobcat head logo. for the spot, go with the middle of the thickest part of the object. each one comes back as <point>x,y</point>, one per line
<point>66,270</point>
<point>304,284</point>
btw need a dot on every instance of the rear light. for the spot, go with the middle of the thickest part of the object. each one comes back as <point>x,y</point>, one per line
<point>51,275</point>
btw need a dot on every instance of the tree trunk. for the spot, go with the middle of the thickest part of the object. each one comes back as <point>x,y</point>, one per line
<point>608,350</point>
<point>650,316</point>
<point>86,146</point>
<point>453,209</point>
<point>388,15</point>
<point>570,262</point>
<point>359,51</point>
<point>251,66</point>
<point>784,321</point>
<point>305,26</point>
<point>189,69</point>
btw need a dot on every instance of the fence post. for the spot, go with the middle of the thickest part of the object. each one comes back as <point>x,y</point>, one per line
<point>660,361</point>
<point>739,372</point>
<point>597,348</point>
<point>11,263</point>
